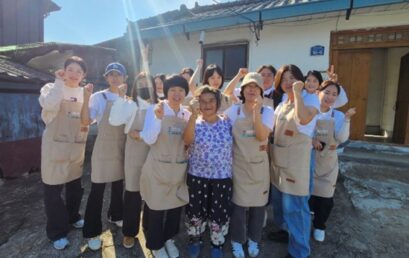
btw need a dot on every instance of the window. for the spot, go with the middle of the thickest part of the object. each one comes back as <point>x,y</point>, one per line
<point>230,57</point>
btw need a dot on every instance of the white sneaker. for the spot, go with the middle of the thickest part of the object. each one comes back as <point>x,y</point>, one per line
<point>61,243</point>
<point>252,248</point>
<point>161,253</point>
<point>118,223</point>
<point>94,243</point>
<point>171,248</point>
<point>79,224</point>
<point>237,249</point>
<point>319,235</point>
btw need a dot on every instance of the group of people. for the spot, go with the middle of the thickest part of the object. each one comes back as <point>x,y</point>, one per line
<point>222,155</point>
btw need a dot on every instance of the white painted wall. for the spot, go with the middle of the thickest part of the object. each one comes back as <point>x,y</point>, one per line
<point>281,43</point>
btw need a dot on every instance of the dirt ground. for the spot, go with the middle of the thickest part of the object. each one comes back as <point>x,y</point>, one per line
<point>370,219</point>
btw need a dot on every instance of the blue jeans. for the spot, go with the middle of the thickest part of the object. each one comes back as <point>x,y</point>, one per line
<point>292,213</point>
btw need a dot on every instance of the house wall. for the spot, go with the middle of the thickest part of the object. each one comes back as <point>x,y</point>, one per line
<point>280,43</point>
<point>21,22</point>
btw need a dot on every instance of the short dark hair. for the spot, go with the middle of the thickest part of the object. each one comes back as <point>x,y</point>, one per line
<point>316,74</point>
<point>209,71</point>
<point>328,83</point>
<point>187,70</point>
<point>207,89</point>
<point>77,60</point>
<point>269,67</point>
<point>175,80</point>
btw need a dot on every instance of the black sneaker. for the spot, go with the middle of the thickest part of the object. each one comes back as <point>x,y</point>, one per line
<point>280,236</point>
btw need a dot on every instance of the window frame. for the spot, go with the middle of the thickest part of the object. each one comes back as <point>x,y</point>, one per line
<point>223,46</point>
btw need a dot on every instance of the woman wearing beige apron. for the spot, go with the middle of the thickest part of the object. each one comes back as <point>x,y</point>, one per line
<point>62,150</point>
<point>252,123</point>
<point>163,180</point>
<point>290,164</point>
<point>214,77</point>
<point>131,112</point>
<point>332,129</point>
<point>107,161</point>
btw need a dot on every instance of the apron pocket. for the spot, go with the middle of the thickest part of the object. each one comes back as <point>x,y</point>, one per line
<point>60,151</point>
<point>258,169</point>
<point>280,156</point>
<point>77,152</point>
<point>169,173</point>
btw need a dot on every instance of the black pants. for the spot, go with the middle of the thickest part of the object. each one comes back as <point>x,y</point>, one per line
<point>322,208</point>
<point>60,215</point>
<point>239,226</point>
<point>209,203</point>
<point>93,223</point>
<point>132,213</point>
<point>162,226</point>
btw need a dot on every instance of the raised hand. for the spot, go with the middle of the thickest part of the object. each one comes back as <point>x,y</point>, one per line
<point>350,113</point>
<point>195,107</point>
<point>88,90</point>
<point>332,75</point>
<point>122,90</point>
<point>258,104</point>
<point>59,74</point>
<point>199,62</point>
<point>159,110</point>
<point>298,86</point>
<point>242,72</point>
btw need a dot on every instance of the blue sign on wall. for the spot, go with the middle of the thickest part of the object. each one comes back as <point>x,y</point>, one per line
<point>317,50</point>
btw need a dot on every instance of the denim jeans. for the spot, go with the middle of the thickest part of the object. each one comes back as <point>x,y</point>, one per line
<point>292,213</point>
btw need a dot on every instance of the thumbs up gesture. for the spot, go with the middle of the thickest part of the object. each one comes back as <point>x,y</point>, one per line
<point>88,91</point>
<point>298,86</point>
<point>159,110</point>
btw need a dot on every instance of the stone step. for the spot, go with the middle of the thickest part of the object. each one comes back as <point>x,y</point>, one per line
<point>376,154</point>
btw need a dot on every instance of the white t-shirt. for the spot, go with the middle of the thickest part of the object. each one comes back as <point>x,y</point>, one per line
<point>51,96</point>
<point>309,100</point>
<point>267,117</point>
<point>152,125</point>
<point>341,100</point>
<point>97,104</point>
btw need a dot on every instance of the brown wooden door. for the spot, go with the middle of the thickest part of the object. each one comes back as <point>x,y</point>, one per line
<point>353,68</point>
<point>401,125</point>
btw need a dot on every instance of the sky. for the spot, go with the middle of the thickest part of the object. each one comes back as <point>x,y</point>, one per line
<point>89,22</point>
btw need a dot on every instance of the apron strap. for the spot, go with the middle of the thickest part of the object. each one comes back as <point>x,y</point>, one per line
<point>105,96</point>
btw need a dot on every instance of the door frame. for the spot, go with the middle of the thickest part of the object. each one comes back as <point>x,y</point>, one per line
<point>380,37</point>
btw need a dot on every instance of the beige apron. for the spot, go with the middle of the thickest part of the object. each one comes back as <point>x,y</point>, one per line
<point>63,145</point>
<point>107,161</point>
<point>291,154</point>
<point>251,179</point>
<point>163,179</point>
<point>326,161</point>
<point>136,152</point>
<point>270,103</point>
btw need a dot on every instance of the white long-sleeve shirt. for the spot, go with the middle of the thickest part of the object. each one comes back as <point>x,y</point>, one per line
<point>51,96</point>
<point>152,125</point>
<point>124,111</point>
<point>97,104</point>
<point>341,125</point>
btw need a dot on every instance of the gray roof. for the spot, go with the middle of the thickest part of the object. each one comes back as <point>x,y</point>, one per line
<point>216,10</point>
<point>12,71</point>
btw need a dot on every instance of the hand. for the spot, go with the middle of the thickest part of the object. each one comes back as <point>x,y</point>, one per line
<point>199,62</point>
<point>134,134</point>
<point>194,107</point>
<point>159,110</point>
<point>258,104</point>
<point>298,86</point>
<point>350,113</point>
<point>317,145</point>
<point>122,90</point>
<point>332,75</point>
<point>59,74</point>
<point>88,91</point>
<point>242,72</point>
